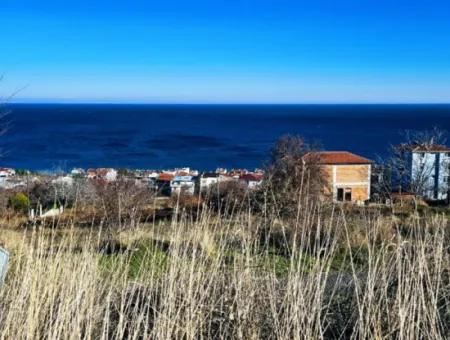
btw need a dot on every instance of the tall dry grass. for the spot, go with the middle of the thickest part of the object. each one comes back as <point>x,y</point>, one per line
<point>324,274</point>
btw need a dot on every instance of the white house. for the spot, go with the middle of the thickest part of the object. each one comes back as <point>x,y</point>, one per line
<point>106,174</point>
<point>207,180</point>
<point>252,181</point>
<point>210,179</point>
<point>7,172</point>
<point>63,180</point>
<point>185,184</point>
<point>78,172</point>
<point>430,171</point>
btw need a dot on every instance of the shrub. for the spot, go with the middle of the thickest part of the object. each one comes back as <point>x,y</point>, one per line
<point>227,197</point>
<point>20,203</point>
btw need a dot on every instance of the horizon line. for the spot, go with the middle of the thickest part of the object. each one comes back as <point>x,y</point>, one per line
<point>217,103</point>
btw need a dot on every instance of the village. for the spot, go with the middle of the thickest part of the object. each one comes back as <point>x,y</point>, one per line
<point>349,178</point>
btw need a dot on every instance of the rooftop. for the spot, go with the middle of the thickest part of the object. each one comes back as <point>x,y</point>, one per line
<point>210,175</point>
<point>252,177</point>
<point>165,177</point>
<point>338,157</point>
<point>430,148</point>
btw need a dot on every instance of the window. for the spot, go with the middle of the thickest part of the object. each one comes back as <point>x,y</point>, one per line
<point>344,194</point>
<point>348,194</point>
<point>340,194</point>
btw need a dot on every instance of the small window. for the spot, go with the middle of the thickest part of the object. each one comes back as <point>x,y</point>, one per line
<point>340,194</point>
<point>344,195</point>
<point>348,194</point>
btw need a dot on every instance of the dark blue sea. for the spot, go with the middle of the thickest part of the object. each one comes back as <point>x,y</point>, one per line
<point>63,136</point>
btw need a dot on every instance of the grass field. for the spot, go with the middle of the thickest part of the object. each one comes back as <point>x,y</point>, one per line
<point>324,274</point>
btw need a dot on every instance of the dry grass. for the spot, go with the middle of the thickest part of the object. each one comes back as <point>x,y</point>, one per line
<point>335,276</point>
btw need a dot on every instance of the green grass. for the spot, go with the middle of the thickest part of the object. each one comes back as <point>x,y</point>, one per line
<point>144,257</point>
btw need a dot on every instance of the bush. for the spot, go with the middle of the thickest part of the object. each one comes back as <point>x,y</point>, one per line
<point>20,203</point>
<point>228,197</point>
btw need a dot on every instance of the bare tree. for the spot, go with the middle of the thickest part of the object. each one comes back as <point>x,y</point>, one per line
<point>410,174</point>
<point>122,200</point>
<point>381,181</point>
<point>293,173</point>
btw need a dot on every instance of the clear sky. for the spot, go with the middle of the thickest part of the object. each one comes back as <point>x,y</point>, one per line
<point>214,51</point>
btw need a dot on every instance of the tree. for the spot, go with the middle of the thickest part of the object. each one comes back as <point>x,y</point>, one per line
<point>228,197</point>
<point>122,200</point>
<point>408,174</point>
<point>381,182</point>
<point>293,173</point>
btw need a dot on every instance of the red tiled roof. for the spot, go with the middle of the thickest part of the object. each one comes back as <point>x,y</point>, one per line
<point>182,173</point>
<point>430,148</point>
<point>338,157</point>
<point>415,147</point>
<point>251,177</point>
<point>165,177</point>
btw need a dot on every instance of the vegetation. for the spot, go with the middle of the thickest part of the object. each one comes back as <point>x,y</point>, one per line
<point>327,273</point>
<point>20,203</point>
<point>271,263</point>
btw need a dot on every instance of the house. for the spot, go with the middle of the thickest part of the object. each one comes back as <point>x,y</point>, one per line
<point>207,180</point>
<point>105,174</point>
<point>91,174</point>
<point>152,178</point>
<point>163,183</point>
<point>183,184</point>
<point>347,175</point>
<point>252,180</point>
<point>7,172</point>
<point>109,175</point>
<point>63,180</point>
<point>77,172</point>
<point>430,171</point>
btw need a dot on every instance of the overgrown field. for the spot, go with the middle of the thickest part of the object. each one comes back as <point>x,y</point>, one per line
<point>323,273</point>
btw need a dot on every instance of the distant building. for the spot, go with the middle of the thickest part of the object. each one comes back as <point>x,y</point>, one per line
<point>183,184</point>
<point>252,180</point>
<point>347,175</point>
<point>163,183</point>
<point>430,171</point>
<point>105,174</point>
<point>63,180</point>
<point>207,180</point>
<point>7,172</point>
<point>78,172</point>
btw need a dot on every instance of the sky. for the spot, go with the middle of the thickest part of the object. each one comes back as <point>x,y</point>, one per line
<point>214,51</point>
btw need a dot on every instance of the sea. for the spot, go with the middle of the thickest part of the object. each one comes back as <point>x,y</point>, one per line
<point>59,137</point>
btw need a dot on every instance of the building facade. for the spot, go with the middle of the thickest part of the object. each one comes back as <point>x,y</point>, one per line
<point>347,176</point>
<point>183,184</point>
<point>430,171</point>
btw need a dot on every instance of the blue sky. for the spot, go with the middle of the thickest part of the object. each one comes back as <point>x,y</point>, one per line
<point>216,51</point>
